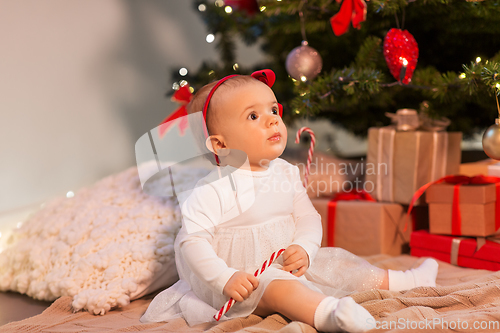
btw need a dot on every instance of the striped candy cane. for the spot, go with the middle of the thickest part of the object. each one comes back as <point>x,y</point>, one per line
<point>311,150</point>
<point>258,272</point>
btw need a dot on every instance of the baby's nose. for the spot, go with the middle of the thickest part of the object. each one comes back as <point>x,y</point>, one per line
<point>273,121</point>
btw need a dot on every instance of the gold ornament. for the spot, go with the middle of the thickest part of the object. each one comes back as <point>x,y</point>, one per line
<point>303,63</point>
<point>491,140</point>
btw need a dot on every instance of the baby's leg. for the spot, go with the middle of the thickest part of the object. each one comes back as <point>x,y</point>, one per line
<point>299,303</point>
<point>423,276</point>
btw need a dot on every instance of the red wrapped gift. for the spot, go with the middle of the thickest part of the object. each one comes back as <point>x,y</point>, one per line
<point>355,222</point>
<point>463,206</point>
<point>460,251</point>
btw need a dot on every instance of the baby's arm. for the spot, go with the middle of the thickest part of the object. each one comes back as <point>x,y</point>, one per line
<point>201,213</point>
<point>308,228</point>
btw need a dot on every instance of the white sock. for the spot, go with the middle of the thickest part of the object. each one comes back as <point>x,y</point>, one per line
<point>344,315</point>
<point>423,276</point>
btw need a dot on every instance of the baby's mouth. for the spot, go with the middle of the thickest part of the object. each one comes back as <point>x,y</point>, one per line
<point>275,137</point>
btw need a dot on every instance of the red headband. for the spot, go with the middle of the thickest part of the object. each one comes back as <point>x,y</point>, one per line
<point>266,76</point>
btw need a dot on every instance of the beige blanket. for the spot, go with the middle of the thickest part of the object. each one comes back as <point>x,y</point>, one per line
<point>466,300</point>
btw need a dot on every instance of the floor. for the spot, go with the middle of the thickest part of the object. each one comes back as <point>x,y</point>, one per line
<point>15,306</point>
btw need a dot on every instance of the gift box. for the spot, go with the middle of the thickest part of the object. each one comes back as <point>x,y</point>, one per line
<point>463,209</point>
<point>477,168</point>
<point>399,163</point>
<point>460,251</point>
<point>363,227</point>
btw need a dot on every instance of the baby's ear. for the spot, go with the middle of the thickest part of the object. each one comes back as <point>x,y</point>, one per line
<point>215,143</point>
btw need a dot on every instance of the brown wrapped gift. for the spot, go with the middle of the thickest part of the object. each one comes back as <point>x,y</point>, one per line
<point>399,163</point>
<point>477,209</point>
<point>365,228</point>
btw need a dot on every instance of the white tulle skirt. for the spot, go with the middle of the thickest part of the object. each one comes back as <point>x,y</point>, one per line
<point>333,272</point>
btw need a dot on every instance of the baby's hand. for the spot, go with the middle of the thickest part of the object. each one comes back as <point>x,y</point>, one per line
<point>240,286</point>
<point>295,257</point>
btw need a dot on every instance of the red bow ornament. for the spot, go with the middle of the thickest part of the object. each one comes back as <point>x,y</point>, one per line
<point>183,96</point>
<point>354,10</point>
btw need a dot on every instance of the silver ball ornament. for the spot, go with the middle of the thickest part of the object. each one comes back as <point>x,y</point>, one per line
<point>491,141</point>
<point>303,63</point>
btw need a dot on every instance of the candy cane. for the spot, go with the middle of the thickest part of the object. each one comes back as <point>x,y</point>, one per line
<point>258,272</point>
<point>311,150</point>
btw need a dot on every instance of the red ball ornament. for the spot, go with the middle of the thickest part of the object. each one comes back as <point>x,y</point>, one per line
<point>401,54</point>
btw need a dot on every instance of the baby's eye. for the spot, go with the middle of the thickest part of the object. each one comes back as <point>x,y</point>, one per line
<point>275,110</point>
<point>252,116</point>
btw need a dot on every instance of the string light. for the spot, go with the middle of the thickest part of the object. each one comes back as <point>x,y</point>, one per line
<point>405,62</point>
<point>228,9</point>
<point>175,86</point>
<point>497,85</point>
<point>462,76</point>
<point>303,78</point>
<point>219,3</point>
<point>263,8</point>
<point>183,71</point>
<point>236,66</point>
<point>202,8</point>
<point>297,111</point>
<point>191,89</point>
<point>183,83</point>
<point>210,38</point>
<point>70,194</point>
<point>478,59</point>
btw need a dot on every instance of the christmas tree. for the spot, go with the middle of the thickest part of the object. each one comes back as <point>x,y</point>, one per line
<point>457,74</point>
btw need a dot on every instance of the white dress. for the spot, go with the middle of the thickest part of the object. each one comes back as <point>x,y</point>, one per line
<point>228,227</point>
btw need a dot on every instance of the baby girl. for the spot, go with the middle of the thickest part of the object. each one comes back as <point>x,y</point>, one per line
<point>225,237</point>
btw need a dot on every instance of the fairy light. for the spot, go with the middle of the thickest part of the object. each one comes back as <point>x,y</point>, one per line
<point>303,78</point>
<point>191,90</point>
<point>297,111</point>
<point>211,72</point>
<point>462,76</point>
<point>405,62</point>
<point>175,86</point>
<point>228,9</point>
<point>219,3</point>
<point>183,71</point>
<point>236,66</point>
<point>70,194</point>
<point>478,59</point>
<point>263,8</point>
<point>183,83</point>
<point>202,8</point>
<point>497,85</point>
<point>210,38</point>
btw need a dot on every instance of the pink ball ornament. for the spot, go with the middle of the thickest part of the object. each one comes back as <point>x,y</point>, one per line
<point>303,62</point>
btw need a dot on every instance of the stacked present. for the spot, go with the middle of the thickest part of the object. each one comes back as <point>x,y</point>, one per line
<point>461,206</point>
<point>400,160</point>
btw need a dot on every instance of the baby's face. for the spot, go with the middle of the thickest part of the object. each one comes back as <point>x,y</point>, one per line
<point>249,121</point>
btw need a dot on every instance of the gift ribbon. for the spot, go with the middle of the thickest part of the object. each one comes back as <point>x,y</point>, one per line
<point>459,180</point>
<point>332,208</point>
<point>455,249</point>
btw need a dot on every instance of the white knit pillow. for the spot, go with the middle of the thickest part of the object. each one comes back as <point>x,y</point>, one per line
<point>109,244</point>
